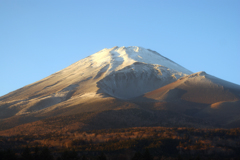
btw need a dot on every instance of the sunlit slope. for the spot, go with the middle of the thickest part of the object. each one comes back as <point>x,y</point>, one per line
<point>118,72</point>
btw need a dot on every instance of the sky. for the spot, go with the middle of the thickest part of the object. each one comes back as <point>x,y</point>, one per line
<point>41,37</point>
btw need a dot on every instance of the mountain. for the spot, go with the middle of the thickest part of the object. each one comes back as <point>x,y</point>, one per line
<point>120,87</point>
<point>121,73</point>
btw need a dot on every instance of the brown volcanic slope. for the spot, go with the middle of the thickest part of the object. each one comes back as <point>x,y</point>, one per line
<point>199,95</point>
<point>199,88</point>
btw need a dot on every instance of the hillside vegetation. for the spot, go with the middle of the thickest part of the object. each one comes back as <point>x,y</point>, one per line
<point>160,142</point>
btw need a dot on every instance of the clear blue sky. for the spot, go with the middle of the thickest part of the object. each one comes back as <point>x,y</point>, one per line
<point>41,37</point>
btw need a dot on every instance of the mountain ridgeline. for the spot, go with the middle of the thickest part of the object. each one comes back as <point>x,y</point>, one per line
<point>121,87</point>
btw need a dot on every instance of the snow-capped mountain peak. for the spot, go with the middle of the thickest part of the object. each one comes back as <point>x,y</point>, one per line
<point>120,57</point>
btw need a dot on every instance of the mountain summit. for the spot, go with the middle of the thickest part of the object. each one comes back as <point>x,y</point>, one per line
<point>119,81</point>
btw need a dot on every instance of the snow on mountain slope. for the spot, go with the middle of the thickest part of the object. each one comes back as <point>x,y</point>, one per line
<point>137,79</point>
<point>120,57</point>
<point>120,72</point>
